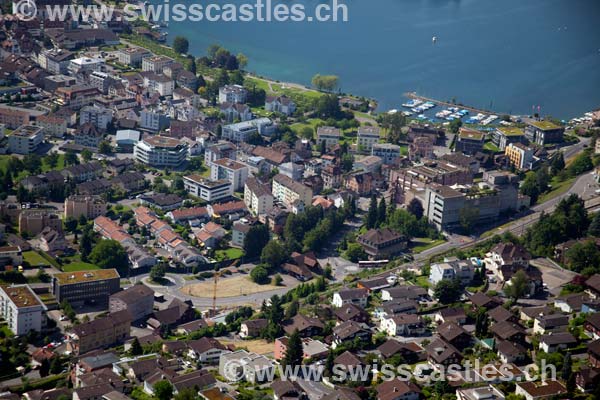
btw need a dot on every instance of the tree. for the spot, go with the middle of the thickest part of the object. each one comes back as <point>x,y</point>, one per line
<point>157,273</point>
<point>136,347</point>
<point>192,67</point>
<point>517,287</point>
<point>393,124</point>
<point>529,187</point>
<point>583,255</point>
<point>594,228</point>
<point>70,224</point>
<point>293,353</point>
<point>557,164</point>
<point>273,254</point>
<point>109,254</point>
<point>455,125</point>
<point>56,366</point>
<point>325,82</point>
<point>468,216</point>
<point>256,239</point>
<point>567,369</point>
<point>582,163</point>
<point>381,212</point>
<point>242,61</point>
<point>277,280</point>
<point>104,147</point>
<point>259,274</point>
<point>52,159</point>
<point>307,132</point>
<point>481,323</point>
<point>186,394</point>
<point>163,390</point>
<point>86,242</point>
<point>355,253</point>
<point>415,208</point>
<point>322,147</point>
<point>86,155</point>
<point>71,158</point>
<point>292,309</point>
<point>44,368</point>
<point>181,45</point>
<point>448,291</point>
<point>32,163</point>
<point>372,214</point>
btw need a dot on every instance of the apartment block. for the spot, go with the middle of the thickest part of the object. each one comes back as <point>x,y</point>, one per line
<point>288,191</point>
<point>208,190</point>
<point>519,155</point>
<point>232,171</point>
<point>25,139</point>
<point>22,309</point>
<point>88,206</point>
<point>160,151</point>
<point>258,197</point>
<point>328,134</point>
<point>367,136</point>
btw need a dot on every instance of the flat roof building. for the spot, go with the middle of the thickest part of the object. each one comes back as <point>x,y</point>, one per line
<point>80,287</point>
<point>22,309</point>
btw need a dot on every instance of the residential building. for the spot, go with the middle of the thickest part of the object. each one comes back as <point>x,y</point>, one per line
<point>80,287</point>
<point>369,164</point>
<point>488,392</point>
<point>519,156</point>
<point>250,367</point>
<point>160,151</point>
<point>503,136</point>
<point>154,120</point>
<point>358,297</point>
<point>258,196</point>
<point>207,189</point>
<point>386,151</point>
<point>540,390</point>
<point>242,131</point>
<point>420,148</point>
<point>52,241</point>
<point>484,202</point>
<point>253,328</point>
<point>138,300</point>
<point>232,94</point>
<point>288,191</point>
<point>155,64</point>
<point>34,221</point>
<point>469,141</point>
<point>219,150</point>
<point>280,104</point>
<point>11,255</point>
<point>76,96</point>
<point>367,136</point>
<point>52,125</point>
<point>55,61</point>
<point>100,333</point>
<point>88,135</point>
<point>543,132</point>
<point>328,134</point>
<point>25,139</point>
<point>100,117</point>
<point>230,170</point>
<point>383,243</point>
<point>236,111</point>
<point>132,56</point>
<point>402,325</point>
<point>462,270</point>
<point>85,65</point>
<point>22,309</point>
<point>13,117</point>
<point>161,84</point>
<point>359,182</point>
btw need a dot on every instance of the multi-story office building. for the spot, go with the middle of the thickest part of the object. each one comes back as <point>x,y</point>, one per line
<point>469,141</point>
<point>80,287</point>
<point>230,170</point>
<point>288,191</point>
<point>206,189</point>
<point>367,137</point>
<point>22,309</point>
<point>25,139</point>
<point>543,132</point>
<point>505,135</point>
<point>160,151</point>
<point>85,64</point>
<point>11,255</point>
<point>55,61</point>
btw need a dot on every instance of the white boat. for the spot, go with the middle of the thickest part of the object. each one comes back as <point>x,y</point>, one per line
<point>434,39</point>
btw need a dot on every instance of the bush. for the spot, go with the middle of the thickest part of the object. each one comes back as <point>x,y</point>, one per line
<point>259,275</point>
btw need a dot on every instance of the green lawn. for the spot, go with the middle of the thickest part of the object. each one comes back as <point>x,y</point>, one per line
<point>231,253</point>
<point>425,244</point>
<point>34,259</point>
<point>558,188</point>
<point>491,146</point>
<point>78,266</point>
<point>423,281</point>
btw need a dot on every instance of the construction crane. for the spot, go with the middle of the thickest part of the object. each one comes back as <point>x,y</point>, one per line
<point>217,275</point>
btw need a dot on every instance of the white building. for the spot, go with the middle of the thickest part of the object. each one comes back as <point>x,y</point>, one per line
<point>155,63</point>
<point>85,64</point>
<point>100,117</point>
<point>25,139</point>
<point>463,270</point>
<point>230,170</point>
<point>288,191</point>
<point>358,297</point>
<point>232,94</point>
<point>153,120</point>
<point>160,151</point>
<point>206,189</point>
<point>258,197</point>
<point>132,56</point>
<point>367,137</point>
<point>328,134</point>
<point>386,151</point>
<point>402,325</point>
<point>242,131</point>
<point>22,309</point>
<point>159,83</point>
<point>280,104</point>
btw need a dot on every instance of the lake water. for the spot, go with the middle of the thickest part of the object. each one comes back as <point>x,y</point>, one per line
<point>505,55</point>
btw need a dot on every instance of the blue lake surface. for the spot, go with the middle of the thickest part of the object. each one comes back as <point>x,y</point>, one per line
<point>507,55</point>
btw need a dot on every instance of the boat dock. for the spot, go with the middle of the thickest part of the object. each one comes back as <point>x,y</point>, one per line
<point>415,96</point>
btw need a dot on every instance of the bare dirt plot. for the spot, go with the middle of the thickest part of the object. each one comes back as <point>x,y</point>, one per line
<point>227,287</point>
<point>258,346</point>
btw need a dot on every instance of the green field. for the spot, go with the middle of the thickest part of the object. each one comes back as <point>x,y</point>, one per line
<point>558,188</point>
<point>34,259</point>
<point>231,253</point>
<point>426,244</point>
<point>78,266</point>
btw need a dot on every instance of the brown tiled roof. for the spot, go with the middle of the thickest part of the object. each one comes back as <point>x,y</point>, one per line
<point>548,388</point>
<point>393,389</point>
